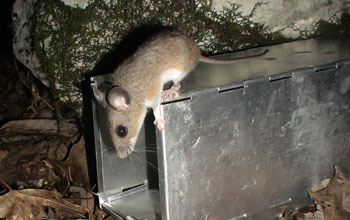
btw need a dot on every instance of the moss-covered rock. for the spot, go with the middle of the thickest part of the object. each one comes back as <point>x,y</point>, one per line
<point>67,42</point>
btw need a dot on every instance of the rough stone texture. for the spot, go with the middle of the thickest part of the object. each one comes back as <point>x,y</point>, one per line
<point>292,17</point>
<point>61,41</point>
<point>22,43</point>
<point>77,3</point>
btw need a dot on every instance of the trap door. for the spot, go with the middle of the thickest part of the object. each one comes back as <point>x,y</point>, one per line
<point>126,187</point>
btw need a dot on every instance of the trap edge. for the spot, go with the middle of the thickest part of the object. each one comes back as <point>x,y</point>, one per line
<point>241,142</point>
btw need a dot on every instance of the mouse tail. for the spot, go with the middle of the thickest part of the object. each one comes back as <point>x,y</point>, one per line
<point>230,61</point>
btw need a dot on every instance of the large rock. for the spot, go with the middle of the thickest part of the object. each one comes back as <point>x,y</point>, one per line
<point>22,41</point>
<point>60,41</point>
<point>290,17</point>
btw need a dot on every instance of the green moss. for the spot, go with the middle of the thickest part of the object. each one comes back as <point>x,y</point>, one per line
<point>338,28</point>
<point>70,41</point>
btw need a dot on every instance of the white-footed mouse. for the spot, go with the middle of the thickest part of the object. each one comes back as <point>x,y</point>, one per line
<point>138,84</point>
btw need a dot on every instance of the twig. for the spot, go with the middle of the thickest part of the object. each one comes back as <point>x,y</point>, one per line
<point>4,182</point>
<point>37,96</point>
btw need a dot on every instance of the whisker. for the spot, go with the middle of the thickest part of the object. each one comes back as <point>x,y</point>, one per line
<point>149,163</point>
<point>141,151</point>
<point>103,124</point>
<point>153,146</point>
<point>109,149</point>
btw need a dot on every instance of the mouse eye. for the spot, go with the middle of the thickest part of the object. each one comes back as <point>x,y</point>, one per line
<point>121,131</point>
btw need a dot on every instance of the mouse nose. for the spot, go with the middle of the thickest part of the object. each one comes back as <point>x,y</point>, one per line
<point>123,150</point>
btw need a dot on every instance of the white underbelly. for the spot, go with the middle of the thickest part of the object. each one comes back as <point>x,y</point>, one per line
<point>174,75</point>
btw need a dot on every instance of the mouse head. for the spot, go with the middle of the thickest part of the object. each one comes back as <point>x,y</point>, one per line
<point>121,119</point>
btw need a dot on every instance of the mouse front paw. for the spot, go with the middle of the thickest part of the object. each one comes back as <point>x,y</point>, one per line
<point>159,121</point>
<point>172,93</point>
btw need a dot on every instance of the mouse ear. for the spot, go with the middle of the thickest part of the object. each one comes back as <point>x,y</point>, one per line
<point>99,95</point>
<point>119,99</point>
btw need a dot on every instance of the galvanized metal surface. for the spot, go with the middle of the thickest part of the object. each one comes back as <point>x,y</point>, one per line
<point>121,182</point>
<point>280,58</point>
<point>234,146</point>
<point>234,154</point>
<point>116,174</point>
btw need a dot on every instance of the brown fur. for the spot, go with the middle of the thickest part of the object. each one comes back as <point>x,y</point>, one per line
<point>143,74</point>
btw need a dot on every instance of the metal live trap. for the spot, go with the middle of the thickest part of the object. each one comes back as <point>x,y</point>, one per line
<point>243,139</point>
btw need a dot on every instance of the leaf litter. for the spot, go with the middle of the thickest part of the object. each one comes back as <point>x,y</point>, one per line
<point>42,164</point>
<point>331,200</point>
<point>18,204</point>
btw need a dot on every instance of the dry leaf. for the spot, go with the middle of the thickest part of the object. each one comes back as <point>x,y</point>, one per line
<point>302,213</point>
<point>17,204</point>
<point>74,168</point>
<point>38,126</point>
<point>99,214</point>
<point>320,186</point>
<point>81,195</point>
<point>334,199</point>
